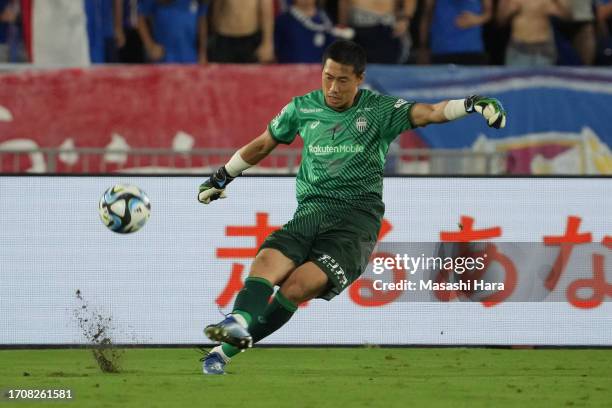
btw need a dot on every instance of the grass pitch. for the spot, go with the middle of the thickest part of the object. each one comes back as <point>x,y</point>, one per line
<point>350,377</point>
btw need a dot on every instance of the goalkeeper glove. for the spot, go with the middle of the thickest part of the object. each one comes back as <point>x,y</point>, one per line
<point>490,108</point>
<point>214,188</point>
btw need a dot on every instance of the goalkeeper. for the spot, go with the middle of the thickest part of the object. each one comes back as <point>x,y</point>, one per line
<point>327,244</point>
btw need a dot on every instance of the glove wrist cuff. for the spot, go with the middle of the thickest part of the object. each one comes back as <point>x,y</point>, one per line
<point>470,103</point>
<point>220,179</point>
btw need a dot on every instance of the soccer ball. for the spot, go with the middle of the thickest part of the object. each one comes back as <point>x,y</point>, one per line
<point>124,208</point>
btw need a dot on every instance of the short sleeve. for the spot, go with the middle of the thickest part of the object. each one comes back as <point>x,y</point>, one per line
<point>395,116</point>
<point>284,127</point>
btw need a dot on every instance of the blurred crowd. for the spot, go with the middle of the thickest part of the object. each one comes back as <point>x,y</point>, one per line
<point>466,32</point>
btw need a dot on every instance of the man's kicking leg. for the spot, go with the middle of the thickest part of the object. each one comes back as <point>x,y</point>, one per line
<point>304,283</point>
<point>268,269</point>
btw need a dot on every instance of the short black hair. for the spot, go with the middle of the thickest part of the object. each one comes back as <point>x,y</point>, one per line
<point>347,53</point>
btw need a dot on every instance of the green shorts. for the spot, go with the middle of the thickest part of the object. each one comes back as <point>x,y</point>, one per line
<point>340,245</point>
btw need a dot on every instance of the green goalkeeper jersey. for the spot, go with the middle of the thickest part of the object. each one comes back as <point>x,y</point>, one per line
<point>344,152</point>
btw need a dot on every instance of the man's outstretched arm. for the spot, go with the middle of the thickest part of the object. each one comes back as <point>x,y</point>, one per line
<point>491,109</point>
<point>249,155</point>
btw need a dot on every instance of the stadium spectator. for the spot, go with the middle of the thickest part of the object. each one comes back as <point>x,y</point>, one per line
<point>579,31</point>
<point>302,33</point>
<point>532,41</point>
<point>100,31</point>
<point>604,30</point>
<point>174,31</point>
<point>59,36</point>
<point>453,31</point>
<point>8,16</point>
<point>381,27</point>
<point>331,8</point>
<point>128,42</point>
<point>243,31</point>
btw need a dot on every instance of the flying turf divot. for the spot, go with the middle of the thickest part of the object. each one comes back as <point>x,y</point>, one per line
<point>96,328</point>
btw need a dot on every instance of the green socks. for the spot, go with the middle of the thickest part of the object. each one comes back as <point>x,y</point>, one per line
<point>229,350</point>
<point>253,298</point>
<point>250,302</point>
<point>262,318</point>
<point>276,314</point>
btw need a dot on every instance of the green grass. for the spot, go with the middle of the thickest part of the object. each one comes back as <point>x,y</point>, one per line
<point>344,378</point>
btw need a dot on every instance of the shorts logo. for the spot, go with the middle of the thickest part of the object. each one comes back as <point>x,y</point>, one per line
<point>399,103</point>
<point>334,267</point>
<point>361,124</point>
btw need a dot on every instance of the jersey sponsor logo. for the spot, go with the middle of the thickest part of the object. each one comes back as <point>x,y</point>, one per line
<point>319,150</point>
<point>313,125</point>
<point>311,110</point>
<point>334,267</point>
<point>400,103</point>
<point>361,123</point>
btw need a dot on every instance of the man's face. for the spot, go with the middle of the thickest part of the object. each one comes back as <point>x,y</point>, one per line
<point>340,84</point>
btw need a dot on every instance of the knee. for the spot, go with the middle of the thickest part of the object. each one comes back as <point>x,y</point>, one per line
<point>261,263</point>
<point>263,267</point>
<point>271,265</point>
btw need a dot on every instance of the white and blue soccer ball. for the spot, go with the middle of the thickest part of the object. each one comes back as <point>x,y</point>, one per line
<point>124,208</point>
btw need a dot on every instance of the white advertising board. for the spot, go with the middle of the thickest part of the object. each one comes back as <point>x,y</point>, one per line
<point>163,284</point>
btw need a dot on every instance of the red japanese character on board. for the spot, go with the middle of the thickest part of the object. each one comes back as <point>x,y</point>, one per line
<point>489,253</point>
<point>597,285</point>
<point>260,232</point>
<point>566,242</point>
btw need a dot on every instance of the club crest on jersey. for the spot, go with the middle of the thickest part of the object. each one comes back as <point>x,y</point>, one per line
<point>361,123</point>
<point>400,103</point>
